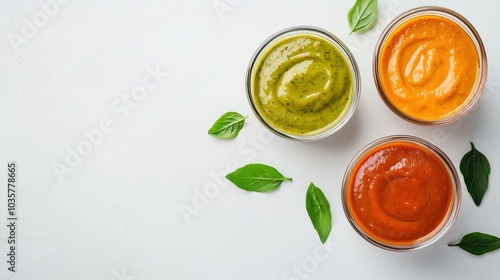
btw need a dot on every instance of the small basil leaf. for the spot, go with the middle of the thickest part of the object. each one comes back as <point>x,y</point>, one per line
<point>478,243</point>
<point>475,168</point>
<point>257,177</point>
<point>227,126</point>
<point>363,15</point>
<point>318,209</point>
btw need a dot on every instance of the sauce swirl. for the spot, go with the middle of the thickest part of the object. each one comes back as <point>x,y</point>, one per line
<point>302,84</point>
<point>399,192</point>
<point>428,67</point>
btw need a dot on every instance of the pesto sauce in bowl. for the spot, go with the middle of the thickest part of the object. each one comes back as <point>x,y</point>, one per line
<point>303,84</point>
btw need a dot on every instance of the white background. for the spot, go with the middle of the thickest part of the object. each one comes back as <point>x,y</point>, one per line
<point>121,210</point>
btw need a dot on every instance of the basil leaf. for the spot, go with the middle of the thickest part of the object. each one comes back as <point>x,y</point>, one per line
<point>475,168</point>
<point>478,243</point>
<point>257,177</point>
<point>362,15</point>
<point>227,126</point>
<point>318,209</point>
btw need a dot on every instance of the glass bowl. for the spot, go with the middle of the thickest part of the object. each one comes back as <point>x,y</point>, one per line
<point>401,193</point>
<point>405,64</point>
<point>284,119</point>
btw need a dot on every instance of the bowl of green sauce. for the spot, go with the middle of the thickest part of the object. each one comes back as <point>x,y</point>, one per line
<point>303,83</point>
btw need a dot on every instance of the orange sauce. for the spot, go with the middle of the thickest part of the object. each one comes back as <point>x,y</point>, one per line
<point>428,67</point>
<point>399,193</point>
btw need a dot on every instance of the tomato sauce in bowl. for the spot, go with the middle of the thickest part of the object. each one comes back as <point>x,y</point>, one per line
<point>401,193</point>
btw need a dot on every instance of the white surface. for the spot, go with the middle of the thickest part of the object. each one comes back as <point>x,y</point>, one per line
<point>117,214</point>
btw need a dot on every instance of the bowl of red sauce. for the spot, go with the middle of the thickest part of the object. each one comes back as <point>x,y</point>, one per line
<point>401,193</point>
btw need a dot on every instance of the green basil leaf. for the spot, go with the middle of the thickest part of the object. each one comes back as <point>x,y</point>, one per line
<point>475,168</point>
<point>478,243</point>
<point>257,177</point>
<point>318,209</point>
<point>227,126</point>
<point>363,15</point>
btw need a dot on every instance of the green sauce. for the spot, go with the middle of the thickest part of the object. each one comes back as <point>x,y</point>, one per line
<point>302,84</point>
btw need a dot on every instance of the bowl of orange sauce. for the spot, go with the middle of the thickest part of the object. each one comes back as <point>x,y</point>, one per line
<point>430,66</point>
<point>401,193</point>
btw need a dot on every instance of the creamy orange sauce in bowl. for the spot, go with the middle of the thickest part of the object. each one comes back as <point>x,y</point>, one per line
<point>430,66</point>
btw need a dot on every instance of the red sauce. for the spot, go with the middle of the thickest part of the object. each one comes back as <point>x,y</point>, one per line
<point>399,193</point>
